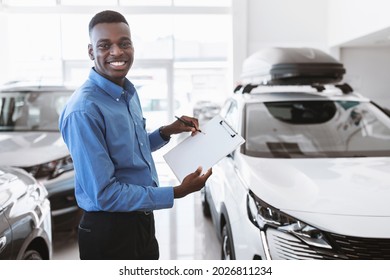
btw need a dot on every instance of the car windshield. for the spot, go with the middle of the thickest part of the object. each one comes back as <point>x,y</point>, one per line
<point>299,129</point>
<point>31,111</point>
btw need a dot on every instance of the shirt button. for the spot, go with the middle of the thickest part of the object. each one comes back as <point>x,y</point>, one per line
<point>142,144</point>
<point>117,99</point>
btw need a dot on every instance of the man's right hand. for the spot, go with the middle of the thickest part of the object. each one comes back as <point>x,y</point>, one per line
<point>191,183</point>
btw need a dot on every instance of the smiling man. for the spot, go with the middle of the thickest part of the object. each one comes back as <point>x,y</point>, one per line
<point>116,179</point>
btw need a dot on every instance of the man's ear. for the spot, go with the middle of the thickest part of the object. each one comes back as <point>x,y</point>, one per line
<point>90,52</point>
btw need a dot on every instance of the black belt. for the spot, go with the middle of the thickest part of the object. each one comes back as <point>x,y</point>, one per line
<point>146,213</point>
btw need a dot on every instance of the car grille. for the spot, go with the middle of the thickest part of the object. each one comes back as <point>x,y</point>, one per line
<point>62,200</point>
<point>286,246</point>
<point>65,212</point>
<point>359,248</point>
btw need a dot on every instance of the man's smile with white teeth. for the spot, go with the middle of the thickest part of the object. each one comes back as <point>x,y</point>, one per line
<point>117,63</point>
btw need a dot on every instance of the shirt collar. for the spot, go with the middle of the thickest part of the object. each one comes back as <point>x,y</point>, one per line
<point>112,89</point>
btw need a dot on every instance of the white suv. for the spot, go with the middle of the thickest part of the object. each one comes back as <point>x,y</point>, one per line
<point>312,180</point>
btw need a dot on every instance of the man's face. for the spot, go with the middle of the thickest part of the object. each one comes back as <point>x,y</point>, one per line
<point>112,50</point>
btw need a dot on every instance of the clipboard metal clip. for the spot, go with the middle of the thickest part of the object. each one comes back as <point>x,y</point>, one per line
<point>228,128</point>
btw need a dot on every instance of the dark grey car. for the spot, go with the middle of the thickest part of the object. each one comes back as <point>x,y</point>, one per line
<point>25,220</point>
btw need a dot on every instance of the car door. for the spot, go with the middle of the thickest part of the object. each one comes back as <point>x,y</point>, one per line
<point>224,176</point>
<point>232,184</point>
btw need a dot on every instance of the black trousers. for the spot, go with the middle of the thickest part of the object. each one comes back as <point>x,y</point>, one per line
<point>117,236</point>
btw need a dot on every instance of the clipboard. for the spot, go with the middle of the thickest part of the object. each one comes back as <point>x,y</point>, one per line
<point>204,149</point>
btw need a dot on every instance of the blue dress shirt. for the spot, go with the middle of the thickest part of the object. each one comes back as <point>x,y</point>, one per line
<point>104,129</point>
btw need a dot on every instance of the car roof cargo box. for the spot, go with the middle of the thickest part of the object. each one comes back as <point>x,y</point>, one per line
<point>291,66</point>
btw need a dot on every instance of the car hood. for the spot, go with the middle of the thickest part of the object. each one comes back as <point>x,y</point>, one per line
<point>342,186</point>
<point>24,149</point>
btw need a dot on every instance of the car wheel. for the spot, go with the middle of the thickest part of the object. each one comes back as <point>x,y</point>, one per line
<point>32,255</point>
<point>205,205</point>
<point>227,252</point>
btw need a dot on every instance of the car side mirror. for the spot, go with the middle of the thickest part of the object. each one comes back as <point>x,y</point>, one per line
<point>231,155</point>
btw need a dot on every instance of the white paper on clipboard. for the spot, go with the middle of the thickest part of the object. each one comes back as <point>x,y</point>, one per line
<point>204,149</point>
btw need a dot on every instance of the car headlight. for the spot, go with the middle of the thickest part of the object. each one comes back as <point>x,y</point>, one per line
<point>263,215</point>
<point>51,169</point>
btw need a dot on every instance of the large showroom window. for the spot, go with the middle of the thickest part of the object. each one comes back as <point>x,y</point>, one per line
<point>182,47</point>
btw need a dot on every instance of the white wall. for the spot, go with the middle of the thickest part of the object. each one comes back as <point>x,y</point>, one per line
<point>3,48</point>
<point>368,72</point>
<point>240,23</point>
<point>351,19</point>
<point>287,23</point>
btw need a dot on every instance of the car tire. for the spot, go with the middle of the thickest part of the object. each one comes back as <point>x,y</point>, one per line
<point>205,205</point>
<point>32,255</point>
<point>227,249</point>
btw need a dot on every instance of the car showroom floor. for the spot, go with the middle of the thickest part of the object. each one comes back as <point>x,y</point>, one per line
<point>182,231</point>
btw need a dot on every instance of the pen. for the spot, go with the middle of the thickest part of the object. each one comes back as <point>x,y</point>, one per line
<point>188,123</point>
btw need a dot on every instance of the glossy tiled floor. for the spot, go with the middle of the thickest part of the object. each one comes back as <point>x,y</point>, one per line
<point>182,231</point>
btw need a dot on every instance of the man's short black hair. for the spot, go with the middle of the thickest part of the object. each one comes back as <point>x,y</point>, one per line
<point>106,17</point>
